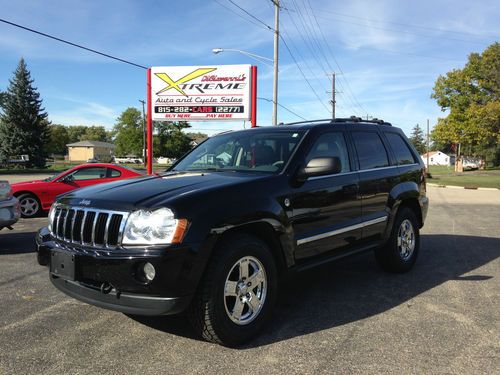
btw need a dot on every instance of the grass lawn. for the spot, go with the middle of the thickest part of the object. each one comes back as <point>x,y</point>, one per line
<point>444,175</point>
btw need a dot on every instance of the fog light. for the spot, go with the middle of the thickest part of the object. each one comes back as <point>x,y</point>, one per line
<point>149,271</point>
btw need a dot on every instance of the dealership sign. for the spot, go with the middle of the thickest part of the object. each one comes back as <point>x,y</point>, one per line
<point>201,92</point>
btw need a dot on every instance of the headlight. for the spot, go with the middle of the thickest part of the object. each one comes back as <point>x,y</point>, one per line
<point>52,212</point>
<point>154,228</point>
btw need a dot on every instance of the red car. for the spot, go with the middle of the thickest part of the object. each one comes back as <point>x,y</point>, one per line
<point>37,196</point>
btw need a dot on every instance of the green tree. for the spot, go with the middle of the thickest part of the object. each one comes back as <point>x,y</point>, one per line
<point>58,139</point>
<point>76,132</point>
<point>3,96</point>
<point>127,133</point>
<point>23,123</point>
<point>417,138</point>
<point>170,140</point>
<point>472,97</point>
<point>94,133</point>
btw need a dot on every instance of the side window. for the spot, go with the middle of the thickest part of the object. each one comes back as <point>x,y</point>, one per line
<point>113,173</point>
<point>89,173</point>
<point>331,145</point>
<point>400,149</point>
<point>370,149</point>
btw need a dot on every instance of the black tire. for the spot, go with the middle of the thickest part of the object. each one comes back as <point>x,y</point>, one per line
<point>30,205</point>
<point>209,311</point>
<point>396,256</point>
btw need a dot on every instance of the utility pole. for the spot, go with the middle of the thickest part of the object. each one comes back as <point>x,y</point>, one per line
<point>276,56</point>
<point>143,133</point>
<point>333,96</point>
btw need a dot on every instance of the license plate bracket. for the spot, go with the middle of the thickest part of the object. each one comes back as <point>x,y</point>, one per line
<point>62,264</point>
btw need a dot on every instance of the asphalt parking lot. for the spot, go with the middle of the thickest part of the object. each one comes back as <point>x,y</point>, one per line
<point>347,317</point>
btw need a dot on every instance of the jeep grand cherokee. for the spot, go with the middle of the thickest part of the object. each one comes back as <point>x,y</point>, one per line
<point>214,233</point>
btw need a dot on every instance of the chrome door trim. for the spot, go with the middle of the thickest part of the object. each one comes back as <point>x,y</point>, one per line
<point>341,230</point>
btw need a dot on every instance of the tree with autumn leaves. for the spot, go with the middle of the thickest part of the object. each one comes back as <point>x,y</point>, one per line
<point>471,96</point>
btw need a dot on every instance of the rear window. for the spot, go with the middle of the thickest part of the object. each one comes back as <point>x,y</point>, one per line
<point>400,148</point>
<point>370,149</point>
<point>114,173</point>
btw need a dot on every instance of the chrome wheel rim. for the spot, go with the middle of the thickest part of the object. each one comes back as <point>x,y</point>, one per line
<point>245,290</point>
<point>406,240</point>
<point>29,206</point>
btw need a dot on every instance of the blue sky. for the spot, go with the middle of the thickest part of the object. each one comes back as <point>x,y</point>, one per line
<point>390,52</point>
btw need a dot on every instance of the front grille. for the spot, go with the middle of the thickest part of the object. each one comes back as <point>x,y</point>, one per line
<point>87,226</point>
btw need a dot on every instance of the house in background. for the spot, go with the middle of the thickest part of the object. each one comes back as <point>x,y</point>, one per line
<point>85,150</point>
<point>436,158</point>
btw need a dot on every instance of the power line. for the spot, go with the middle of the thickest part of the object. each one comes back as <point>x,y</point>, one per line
<point>349,92</point>
<point>251,15</point>
<point>404,24</point>
<point>398,31</point>
<point>241,16</point>
<point>72,44</point>
<point>302,73</point>
<point>285,108</point>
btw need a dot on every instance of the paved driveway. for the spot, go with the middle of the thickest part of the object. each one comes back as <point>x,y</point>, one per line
<point>347,317</point>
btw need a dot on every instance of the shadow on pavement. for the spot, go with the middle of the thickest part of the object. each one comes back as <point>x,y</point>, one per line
<point>355,288</point>
<point>17,243</point>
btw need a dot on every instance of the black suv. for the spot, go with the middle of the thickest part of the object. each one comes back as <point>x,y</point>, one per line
<point>215,233</point>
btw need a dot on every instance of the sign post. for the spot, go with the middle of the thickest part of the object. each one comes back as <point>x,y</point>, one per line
<point>200,93</point>
<point>149,125</point>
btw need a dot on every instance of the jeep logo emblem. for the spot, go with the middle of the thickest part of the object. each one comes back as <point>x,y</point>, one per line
<point>84,202</point>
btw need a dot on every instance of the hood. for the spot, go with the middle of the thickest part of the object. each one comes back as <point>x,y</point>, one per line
<point>26,183</point>
<point>153,191</point>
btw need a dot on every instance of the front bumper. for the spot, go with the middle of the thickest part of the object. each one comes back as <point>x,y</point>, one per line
<point>111,279</point>
<point>9,212</point>
<point>128,303</point>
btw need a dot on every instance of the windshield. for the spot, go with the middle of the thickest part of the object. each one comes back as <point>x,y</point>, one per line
<point>247,151</point>
<point>55,176</point>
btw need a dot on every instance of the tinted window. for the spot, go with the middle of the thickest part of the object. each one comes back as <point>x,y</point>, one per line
<point>371,150</point>
<point>331,145</point>
<point>89,173</point>
<point>400,149</point>
<point>114,173</point>
<point>247,151</point>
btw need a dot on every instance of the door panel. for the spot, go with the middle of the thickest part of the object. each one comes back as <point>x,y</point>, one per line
<point>327,209</point>
<point>323,210</point>
<point>376,180</point>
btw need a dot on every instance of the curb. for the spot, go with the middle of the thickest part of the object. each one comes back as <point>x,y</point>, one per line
<point>462,187</point>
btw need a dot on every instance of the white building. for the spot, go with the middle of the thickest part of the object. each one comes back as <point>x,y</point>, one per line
<point>436,158</point>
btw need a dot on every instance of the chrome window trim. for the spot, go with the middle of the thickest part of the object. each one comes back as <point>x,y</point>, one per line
<point>361,171</point>
<point>341,230</point>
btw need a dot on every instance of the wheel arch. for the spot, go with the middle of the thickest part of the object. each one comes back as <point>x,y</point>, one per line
<point>17,194</point>
<point>265,231</point>
<point>405,194</point>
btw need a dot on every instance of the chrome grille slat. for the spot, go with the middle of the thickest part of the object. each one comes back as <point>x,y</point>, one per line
<point>92,236</point>
<point>89,227</point>
<point>83,225</point>
<point>106,229</point>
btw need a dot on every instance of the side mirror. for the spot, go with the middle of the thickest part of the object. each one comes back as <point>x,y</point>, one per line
<point>320,167</point>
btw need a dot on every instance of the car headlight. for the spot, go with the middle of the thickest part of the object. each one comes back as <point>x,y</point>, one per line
<point>154,228</point>
<point>52,212</point>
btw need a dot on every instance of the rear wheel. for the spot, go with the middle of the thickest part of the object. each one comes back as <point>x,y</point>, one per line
<point>30,205</point>
<point>237,295</point>
<point>401,250</point>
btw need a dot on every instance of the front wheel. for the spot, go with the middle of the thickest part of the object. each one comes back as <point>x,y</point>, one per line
<point>400,252</point>
<point>238,292</point>
<point>30,205</point>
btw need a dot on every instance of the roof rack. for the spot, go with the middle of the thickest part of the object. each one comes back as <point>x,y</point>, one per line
<point>347,119</point>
